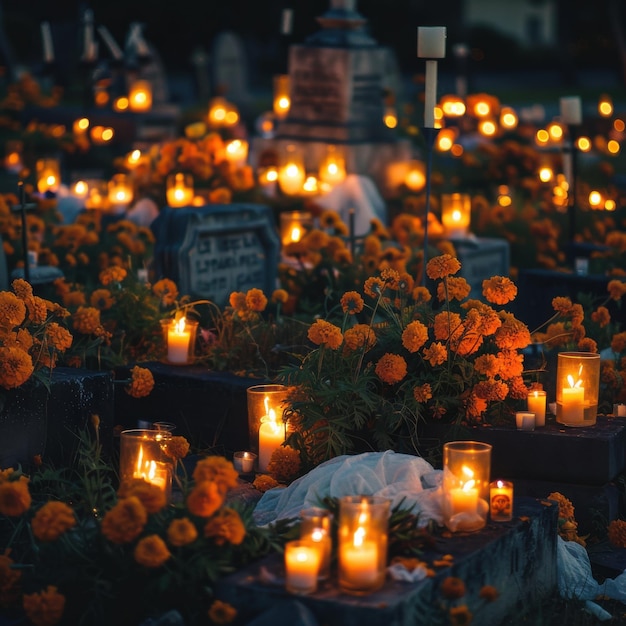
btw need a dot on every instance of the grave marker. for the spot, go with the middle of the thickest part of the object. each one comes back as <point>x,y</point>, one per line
<point>230,68</point>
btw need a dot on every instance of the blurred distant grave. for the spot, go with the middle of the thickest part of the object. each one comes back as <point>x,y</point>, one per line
<point>230,69</point>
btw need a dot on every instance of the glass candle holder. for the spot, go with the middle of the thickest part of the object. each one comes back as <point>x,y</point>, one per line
<point>143,455</point>
<point>294,225</point>
<point>316,526</point>
<point>525,420</point>
<point>282,95</point>
<point>465,488</point>
<point>179,189</point>
<point>120,190</point>
<point>180,338</point>
<point>501,501</point>
<point>362,538</point>
<point>302,562</point>
<point>333,166</point>
<point>13,159</point>
<point>577,388</point>
<point>244,462</point>
<point>266,426</point>
<point>140,96</point>
<point>48,172</point>
<point>456,211</point>
<point>97,196</point>
<point>291,172</point>
<point>536,404</point>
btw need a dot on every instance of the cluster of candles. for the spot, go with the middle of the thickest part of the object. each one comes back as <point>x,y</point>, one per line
<point>535,415</point>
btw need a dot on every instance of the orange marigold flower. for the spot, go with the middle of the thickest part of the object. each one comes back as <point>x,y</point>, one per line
<point>237,300</point>
<point>374,286</point>
<point>150,495</point>
<point>9,580</point>
<point>460,615</point>
<point>12,310</point>
<point>181,532</point>
<point>204,499</point>
<point>22,288</point>
<point>141,382</point>
<point>513,333</point>
<point>264,482</point>
<point>125,521</point>
<point>617,533</point>
<point>151,551</point>
<point>414,336</point>
<point>86,320</point>
<point>487,364</point>
<point>177,447</point>
<point>37,309</point>
<point>322,332</point>
<point>475,406</point>
<point>101,299</point>
<point>391,368</point>
<point>16,367</point>
<point>166,290</point>
<point>435,354</point>
<point>423,393</point>
<point>447,325</point>
<point>44,608</point>
<point>15,498</point>
<point>489,593</point>
<point>284,463</point>
<point>587,344</point>
<point>616,289</point>
<point>226,527</point>
<point>511,364</point>
<point>566,508</point>
<point>52,520</point>
<point>280,295</point>
<point>256,300</point>
<point>452,588</point>
<point>222,612</point>
<point>218,470</point>
<point>442,266</point>
<point>601,316</point>
<point>359,336</point>
<point>453,288</point>
<point>618,343</point>
<point>352,302</point>
<point>112,274</point>
<point>562,305</point>
<point>421,295</point>
<point>59,337</point>
<point>499,289</point>
<point>74,298</point>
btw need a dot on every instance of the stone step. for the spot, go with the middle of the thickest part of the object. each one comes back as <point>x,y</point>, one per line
<point>517,557</point>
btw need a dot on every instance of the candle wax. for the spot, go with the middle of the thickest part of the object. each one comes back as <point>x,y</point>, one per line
<point>359,564</point>
<point>178,346</point>
<point>537,405</point>
<point>573,405</point>
<point>301,565</point>
<point>271,436</point>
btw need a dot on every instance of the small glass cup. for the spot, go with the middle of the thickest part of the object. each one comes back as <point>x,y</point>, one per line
<point>244,462</point>
<point>316,526</point>
<point>302,563</point>
<point>501,501</point>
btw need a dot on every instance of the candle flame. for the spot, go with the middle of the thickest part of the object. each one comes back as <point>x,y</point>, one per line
<point>570,380</point>
<point>467,486</point>
<point>179,325</point>
<point>359,536</point>
<point>317,535</point>
<point>469,483</point>
<point>456,215</point>
<point>145,469</point>
<point>271,416</point>
<point>296,234</point>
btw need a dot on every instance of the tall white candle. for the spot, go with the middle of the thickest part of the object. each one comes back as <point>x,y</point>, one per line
<point>573,405</point>
<point>571,110</point>
<point>537,405</point>
<point>46,36</point>
<point>178,339</point>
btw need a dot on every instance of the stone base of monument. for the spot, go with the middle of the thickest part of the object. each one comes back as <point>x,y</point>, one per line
<point>37,421</point>
<point>518,558</point>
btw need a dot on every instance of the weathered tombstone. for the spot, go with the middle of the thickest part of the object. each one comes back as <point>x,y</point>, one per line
<point>481,259</point>
<point>211,251</point>
<point>230,68</point>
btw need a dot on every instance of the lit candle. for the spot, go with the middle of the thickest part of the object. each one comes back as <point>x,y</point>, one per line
<point>501,500</point>
<point>178,338</point>
<point>140,96</point>
<point>359,560</point>
<point>302,562</point>
<point>237,152</point>
<point>573,404</point>
<point>571,110</point>
<point>431,44</point>
<point>244,462</point>
<point>151,471</point>
<point>464,499</point>
<point>525,420</point>
<point>537,405</point>
<point>48,178</point>
<point>271,436</point>
<point>179,190</point>
<point>315,527</point>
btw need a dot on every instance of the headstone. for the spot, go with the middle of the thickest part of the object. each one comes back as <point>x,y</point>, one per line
<point>482,258</point>
<point>230,68</point>
<point>211,251</point>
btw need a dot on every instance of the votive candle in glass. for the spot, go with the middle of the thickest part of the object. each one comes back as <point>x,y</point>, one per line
<point>243,461</point>
<point>266,405</point>
<point>577,388</point>
<point>302,562</point>
<point>525,420</point>
<point>180,336</point>
<point>501,501</point>
<point>316,527</point>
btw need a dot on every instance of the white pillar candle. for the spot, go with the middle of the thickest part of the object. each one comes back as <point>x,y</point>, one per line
<point>178,338</point>
<point>571,110</point>
<point>537,405</point>
<point>359,562</point>
<point>271,436</point>
<point>302,563</point>
<point>573,405</point>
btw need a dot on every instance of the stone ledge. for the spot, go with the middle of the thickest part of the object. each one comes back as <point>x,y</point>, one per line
<point>518,558</point>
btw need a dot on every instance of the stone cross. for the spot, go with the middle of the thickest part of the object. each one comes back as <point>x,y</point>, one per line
<point>22,207</point>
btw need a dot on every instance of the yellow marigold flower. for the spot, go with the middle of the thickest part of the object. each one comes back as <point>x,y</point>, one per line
<point>452,588</point>
<point>44,608</point>
<point>499,289</point>
<point>16,367</point>
<point>460,615</point>
<point>435,354</point>
<point>280,295</point>
<point>322,332</point>
<point>150,495</point>
<point>226,527</point>
<point>222,612</point>
<point>617,533</point>
<point>218,470</point>
<point>141,382</point>
<point>125,521</point>
<point>59,337</point>
<point>359,336</point>
<point>12,310</point>
<point>352,302</point>
<point>166,290</point>
<point>264,482</point>
<point>616,289</point>
<point>22,288</point>
<point>86,320</point>
<point>181,532</point>
<point>151,551</point>
<point>15,498</point>
<point>101,299</point>
<point>204,499</point>
<point>391,368</point>
<point>112,274</point>
<point>177,447</point>
<point>442,266</point>
<point>9,580</point>
<point>256,300</point>
<point>414,336</point>
<point>423,393</point>
<point>284,464</point>
<point>421,295</point>
<point>52,520</point>
<point>601,316</point>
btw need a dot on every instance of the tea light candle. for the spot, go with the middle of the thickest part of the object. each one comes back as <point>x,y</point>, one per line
<point>178,339</point>
<point>501,500</point>
<point>537,405</point>
<point>302,563</point>
<point>525,420</point>
<point>360,560</point>
<point>244,462</point>
<point>271,436</point>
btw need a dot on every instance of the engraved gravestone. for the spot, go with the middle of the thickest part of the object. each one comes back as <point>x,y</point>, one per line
<point>230,68</point>
<point>211,251</point>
